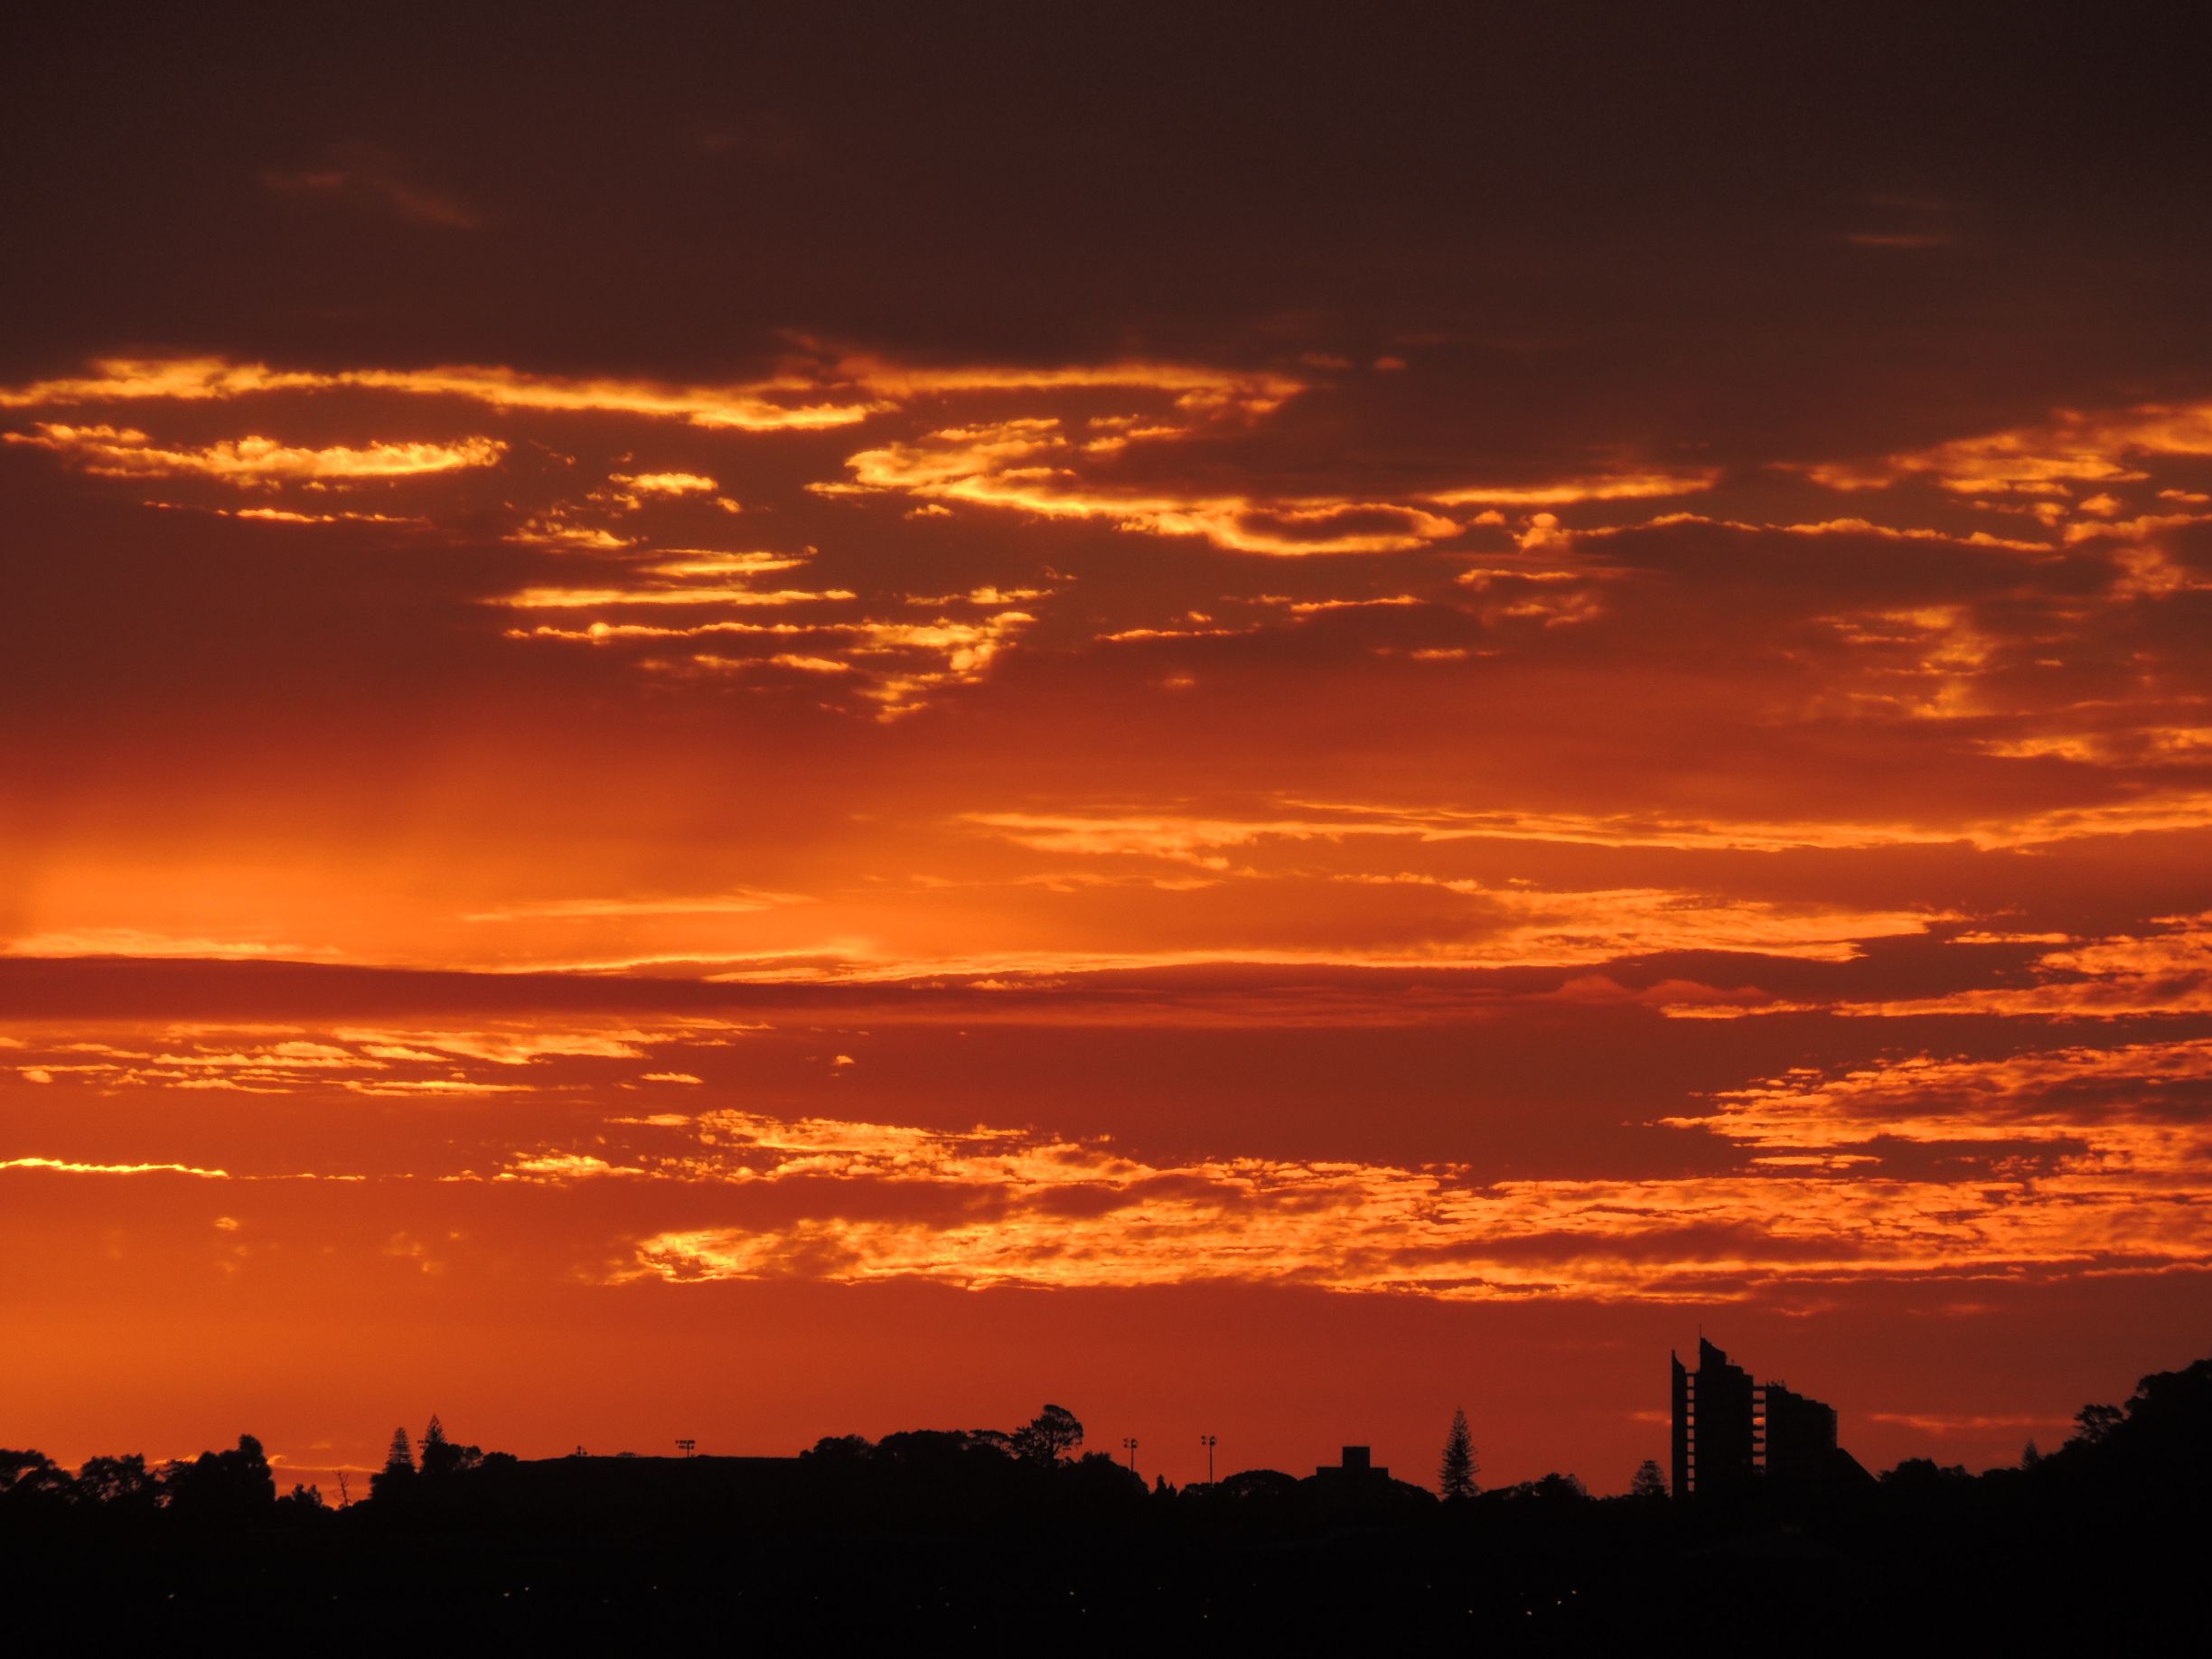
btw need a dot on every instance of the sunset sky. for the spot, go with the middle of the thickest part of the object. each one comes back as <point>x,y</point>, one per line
<point>720,728</point>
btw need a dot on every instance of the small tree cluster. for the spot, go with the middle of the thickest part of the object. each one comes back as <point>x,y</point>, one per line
<point>440,1459</point>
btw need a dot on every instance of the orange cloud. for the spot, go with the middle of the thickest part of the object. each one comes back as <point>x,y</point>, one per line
<point>1195,390</point>
<point>2066,1164</point>
<point>122,452</point>
<point>2167,972</point>
<point>584,598</point>
<point>139,942</point>
<point>1850,526</point>
<point>2071,448</point>
<point>760,407</point>
<point>666,484</point>
<point>2070,1115</point>
<point>847,391</point>
<point>1197,839</point>
<point>714,904</point>
<point>1063,1214</point>
<point>1592,487</point>
<point>67,1166</point>
<point>1031,465</point>
<point>1049,465</point>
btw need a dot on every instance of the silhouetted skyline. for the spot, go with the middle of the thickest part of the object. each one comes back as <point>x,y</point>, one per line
<point>884,1537</point>
<point>1731,1439</point>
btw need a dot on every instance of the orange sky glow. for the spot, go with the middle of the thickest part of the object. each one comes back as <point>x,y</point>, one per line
<point>1262,782</point>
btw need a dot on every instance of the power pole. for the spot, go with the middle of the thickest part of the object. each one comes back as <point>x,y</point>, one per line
<point>1206,1440</point>
<point>1128,1443</point>
<point>688,1447</point>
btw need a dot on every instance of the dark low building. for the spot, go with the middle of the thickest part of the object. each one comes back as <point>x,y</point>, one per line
<point>1358,1490</point>
<point>1358,1465</point>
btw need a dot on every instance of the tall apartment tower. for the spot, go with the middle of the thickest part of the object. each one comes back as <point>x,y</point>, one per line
<point>1733,1436</point>
<point>1718,1438</point>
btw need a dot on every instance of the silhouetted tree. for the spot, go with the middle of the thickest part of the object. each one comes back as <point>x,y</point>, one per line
<point>28,1477</point>
<point>1649,1484</point>
<point>1456,1477</point>
<point>841,1448</point>
<point>2030,1456</point>
<point>441,1456</point>
<point>1553,1491</point>
<point>2160,1441</point>
<point>223,1486</point>
<point>18,1467</point>
<point>1257,1487</point>
<point>1048,1436</point>
<point>1924,1475</point>
<point>119,1484</point>
<point>2096,1422</point>
<point>397,1474</point>
<point>2173,1410</point>
<point>1099,1480</point>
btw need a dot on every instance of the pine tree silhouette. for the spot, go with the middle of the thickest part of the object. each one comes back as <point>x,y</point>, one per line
<point>396,1477</point>
<point>1456,1478</point>
<point>438,1451</point>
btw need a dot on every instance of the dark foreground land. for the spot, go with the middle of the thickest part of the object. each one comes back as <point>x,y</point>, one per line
<point>963,1539</point>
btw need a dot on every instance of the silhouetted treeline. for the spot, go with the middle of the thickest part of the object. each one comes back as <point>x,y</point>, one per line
<point>1020,1536</point>
<point>217,1489</point>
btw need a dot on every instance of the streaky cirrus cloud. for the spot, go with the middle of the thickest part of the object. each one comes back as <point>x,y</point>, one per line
<point>123,452</point>
<point>2071,450</point>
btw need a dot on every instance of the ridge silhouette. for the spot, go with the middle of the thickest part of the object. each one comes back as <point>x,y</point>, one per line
<point>1019,1536</point>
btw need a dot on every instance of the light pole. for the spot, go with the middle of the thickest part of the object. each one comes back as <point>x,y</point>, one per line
<point>1206,1440</point>
<point>688,1447</point>
<point>1129,1444</point>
